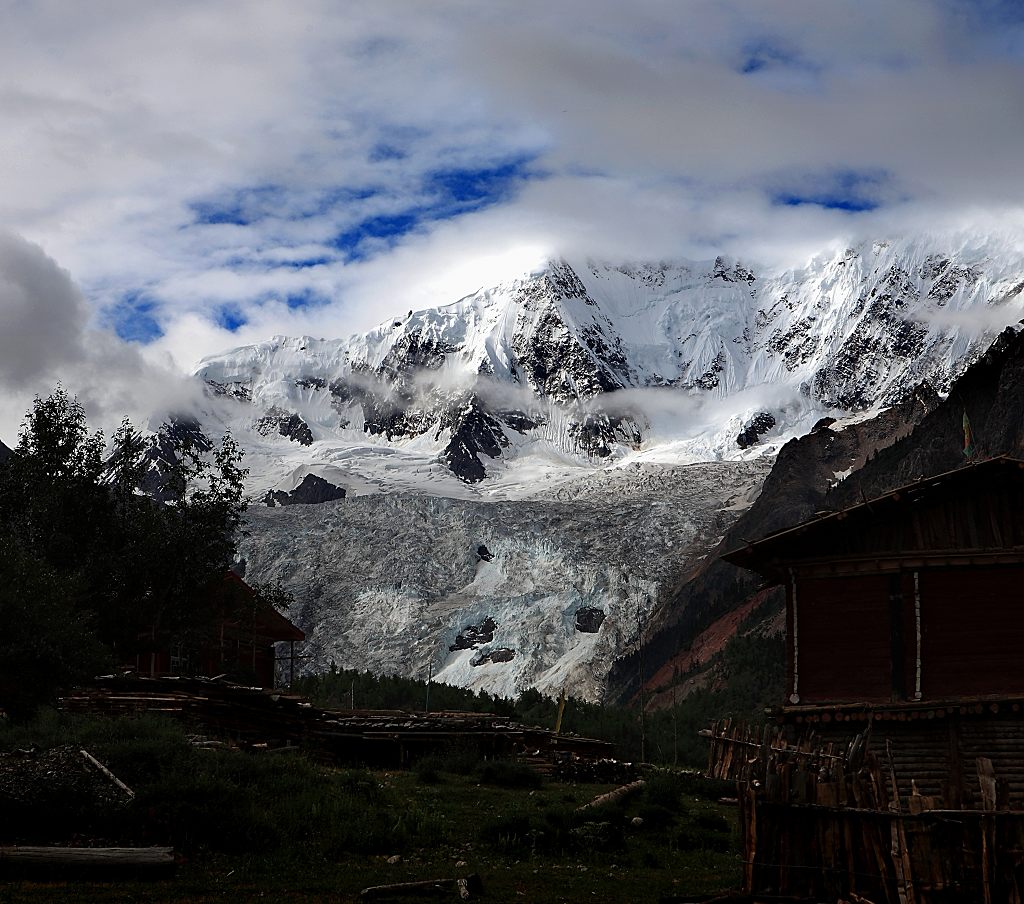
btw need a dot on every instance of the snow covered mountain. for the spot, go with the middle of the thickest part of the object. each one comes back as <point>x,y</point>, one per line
<point>555,423</point>
<point>583,364</point>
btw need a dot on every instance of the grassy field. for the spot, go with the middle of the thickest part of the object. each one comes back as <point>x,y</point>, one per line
<point>253,826</point>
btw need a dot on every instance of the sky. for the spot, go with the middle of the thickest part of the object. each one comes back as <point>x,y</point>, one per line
<point>182,178</point>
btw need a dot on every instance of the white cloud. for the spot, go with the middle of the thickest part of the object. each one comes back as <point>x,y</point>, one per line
<point>645,136</point>
<point>45,338</point>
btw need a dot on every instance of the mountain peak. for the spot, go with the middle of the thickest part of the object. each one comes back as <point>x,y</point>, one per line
<point>595,362</point>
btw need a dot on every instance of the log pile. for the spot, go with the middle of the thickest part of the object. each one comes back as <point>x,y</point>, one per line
<point>836,822</point>
<point>257,718</point>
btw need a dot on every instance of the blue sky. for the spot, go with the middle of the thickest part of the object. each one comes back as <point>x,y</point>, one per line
<point>219,172</point>
<point>442,194</point>
<point>846,190</point>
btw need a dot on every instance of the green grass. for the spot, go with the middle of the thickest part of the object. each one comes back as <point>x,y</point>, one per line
<point>278,825</point>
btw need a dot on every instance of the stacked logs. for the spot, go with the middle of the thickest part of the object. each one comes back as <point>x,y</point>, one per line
<point>257,718</point>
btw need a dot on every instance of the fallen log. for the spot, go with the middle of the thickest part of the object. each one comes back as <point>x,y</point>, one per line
<point>151,861</point>
<point>470,885</point>
<point>612,796</point>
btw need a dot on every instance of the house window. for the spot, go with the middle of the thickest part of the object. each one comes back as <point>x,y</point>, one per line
<point>180,660</point>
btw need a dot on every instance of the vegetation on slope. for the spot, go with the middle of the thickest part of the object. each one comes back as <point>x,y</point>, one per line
<point>745,680</point>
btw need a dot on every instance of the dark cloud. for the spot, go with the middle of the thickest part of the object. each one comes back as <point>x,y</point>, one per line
<point>42,314</point>
<point>46,337</point>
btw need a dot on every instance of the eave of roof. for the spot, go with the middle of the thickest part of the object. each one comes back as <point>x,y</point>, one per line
<point>754,555</point>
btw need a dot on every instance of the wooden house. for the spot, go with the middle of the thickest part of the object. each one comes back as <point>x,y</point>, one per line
<point>916,596</point>
<point>240,643</point>
<point>896,769</point>
<point>907,611</point>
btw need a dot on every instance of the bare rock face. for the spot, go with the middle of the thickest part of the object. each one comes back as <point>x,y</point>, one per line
<point>990,394</point>
<point>286,424</point>
<point>499,654</point>
<point>473,636</point>
<point>474,432</point>
<point>312,491</point>
<point>760,423</point>
<point>589,619</point>
<point>5,453</point>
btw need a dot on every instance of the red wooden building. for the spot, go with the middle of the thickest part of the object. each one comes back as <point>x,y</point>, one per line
<point>897,770</point>
<point>240,644</point>
<point>906,613</point>
<point>917,595</point>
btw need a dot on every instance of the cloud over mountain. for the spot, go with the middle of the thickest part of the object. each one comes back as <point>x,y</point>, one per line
<point>47,336</point>
<point>219,172</point>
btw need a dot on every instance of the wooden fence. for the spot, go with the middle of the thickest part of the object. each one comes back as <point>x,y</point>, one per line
<point>831,822</point>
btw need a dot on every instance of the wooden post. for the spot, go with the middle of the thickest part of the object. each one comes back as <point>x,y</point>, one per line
<point>561,712</point>
<point>900,854</point>
<point>749,839</point>
<point>987,783</point>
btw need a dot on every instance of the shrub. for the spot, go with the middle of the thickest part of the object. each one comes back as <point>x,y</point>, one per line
<point>511,834</point>
<point>656,817</point>
<point>428,770</point>
<point>664,789</point>
<point>705,831</point>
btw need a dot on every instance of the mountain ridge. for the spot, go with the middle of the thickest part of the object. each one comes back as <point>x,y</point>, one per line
<point>586,361</point>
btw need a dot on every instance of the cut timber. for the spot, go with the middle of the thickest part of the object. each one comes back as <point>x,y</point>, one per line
<point>92,761</point>
<point>470,885</point>
<point>150,860</point>
<point>612,796</point>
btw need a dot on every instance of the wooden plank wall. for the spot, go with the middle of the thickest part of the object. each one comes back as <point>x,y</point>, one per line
<point>820,820</point>
<point>857,635</point>
<point>844,632</point>
<point>973,631</point>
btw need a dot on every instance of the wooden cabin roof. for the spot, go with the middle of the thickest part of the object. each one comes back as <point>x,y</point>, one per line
<point>972,515</point>
<point>268,623</point>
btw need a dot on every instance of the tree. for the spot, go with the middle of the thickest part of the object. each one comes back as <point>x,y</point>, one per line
<point>46,641</point>
<point>187,541</point>
<point>53,522</point>
<point>125,563</point>
<point>51,499</point>
<point>55,439</point>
